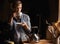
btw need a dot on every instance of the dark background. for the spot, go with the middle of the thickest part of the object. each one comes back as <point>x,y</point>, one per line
<point>38,10</point>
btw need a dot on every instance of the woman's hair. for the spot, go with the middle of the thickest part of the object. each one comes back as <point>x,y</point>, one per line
<point>16,3</point>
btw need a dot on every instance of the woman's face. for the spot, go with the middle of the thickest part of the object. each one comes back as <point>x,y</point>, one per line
<point>19,8</point>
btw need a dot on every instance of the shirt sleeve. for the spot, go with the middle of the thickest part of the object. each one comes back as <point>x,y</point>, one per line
<point>29,23</point>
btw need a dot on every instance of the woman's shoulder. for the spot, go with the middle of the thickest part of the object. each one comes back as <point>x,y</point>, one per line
<point>24,14</point>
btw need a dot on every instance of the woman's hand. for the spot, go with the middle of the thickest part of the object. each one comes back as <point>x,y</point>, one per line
<point>23,24</point>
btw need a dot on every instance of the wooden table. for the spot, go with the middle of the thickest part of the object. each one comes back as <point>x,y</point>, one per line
<point>43,41</point>
<point>40,42</point>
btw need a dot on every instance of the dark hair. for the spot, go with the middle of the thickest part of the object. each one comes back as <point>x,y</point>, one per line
<point>16,3</point>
